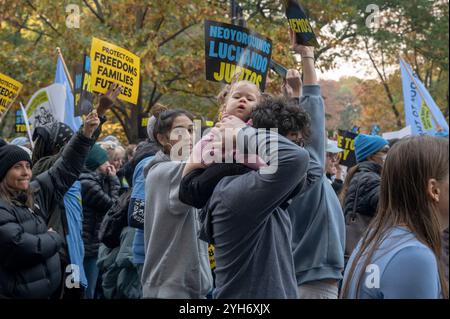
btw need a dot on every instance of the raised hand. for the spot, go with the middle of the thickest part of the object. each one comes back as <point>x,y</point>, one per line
<point>111,170</point>
<point>292,85</point>
<point>303,50</point>
<point>109,98</point>
<point>90,124</point>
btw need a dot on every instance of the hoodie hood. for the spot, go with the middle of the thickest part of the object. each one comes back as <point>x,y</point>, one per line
<point>159,158</point>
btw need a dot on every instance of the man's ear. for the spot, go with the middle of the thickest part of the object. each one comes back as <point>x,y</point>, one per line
<point>433,190</point>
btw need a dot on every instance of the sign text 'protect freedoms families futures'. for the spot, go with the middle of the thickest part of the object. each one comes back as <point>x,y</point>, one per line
<point>113,64</point>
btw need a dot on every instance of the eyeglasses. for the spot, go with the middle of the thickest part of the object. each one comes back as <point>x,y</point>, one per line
<point>332,156</point>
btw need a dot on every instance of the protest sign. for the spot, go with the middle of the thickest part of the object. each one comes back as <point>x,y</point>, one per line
<point>404,132</point>
<point>78,76</point>
<point>232,50</point>
<point>113,64</point>
<point>143,122</point>
<point>9,89</point>
<point>346,141</point>
<point>278,68</point>
<point>20,126</point>
<point>47,105</point>
<point>299,23</point>
<point>83,89</point>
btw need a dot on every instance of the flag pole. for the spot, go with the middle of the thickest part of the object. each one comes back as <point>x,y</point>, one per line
<point>438,127</point>
<point>27,124</point>
<point>58,50</point>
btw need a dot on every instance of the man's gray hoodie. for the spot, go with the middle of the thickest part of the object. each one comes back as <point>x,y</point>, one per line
<point>316,214</point>
<point>176,261</point>
<point>251,233</point>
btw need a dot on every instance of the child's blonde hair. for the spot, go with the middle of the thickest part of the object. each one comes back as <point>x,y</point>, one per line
<point>225,93</point>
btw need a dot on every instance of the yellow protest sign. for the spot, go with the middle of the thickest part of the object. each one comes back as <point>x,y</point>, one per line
<point>9,89</point>
<point>113,64</point>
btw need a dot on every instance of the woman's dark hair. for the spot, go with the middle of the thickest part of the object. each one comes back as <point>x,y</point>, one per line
<point>281,113</point>
<point>409,166</point>
<point>348,180</point>
<point>165,120</point>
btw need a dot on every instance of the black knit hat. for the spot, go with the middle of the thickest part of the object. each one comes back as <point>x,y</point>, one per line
<point>10,155</point>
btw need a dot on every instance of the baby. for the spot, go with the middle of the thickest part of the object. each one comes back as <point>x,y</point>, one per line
<point>238,100</point>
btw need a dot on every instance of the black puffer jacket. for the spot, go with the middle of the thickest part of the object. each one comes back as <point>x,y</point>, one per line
<point>29,259</point>
<point>98,194</point>
<point>367,176</point>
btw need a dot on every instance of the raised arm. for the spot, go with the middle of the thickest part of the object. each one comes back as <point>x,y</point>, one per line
<point>60,177</point>
<point>312,102</point>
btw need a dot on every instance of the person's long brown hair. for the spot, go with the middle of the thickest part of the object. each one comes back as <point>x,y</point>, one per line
<point>404,200</point>
<point>8,195</point>
<point>348,179</point>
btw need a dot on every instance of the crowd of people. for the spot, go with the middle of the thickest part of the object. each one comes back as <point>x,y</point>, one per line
<point>258,208</point>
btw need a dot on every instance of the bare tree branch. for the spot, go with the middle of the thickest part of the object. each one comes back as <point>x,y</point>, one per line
<point>43,18</point>
<point>385,85</point>
<point>99,14</point>
<point>173,36</point>
<point>140,16</point>
<point>99,8</point>
<point>22,26</point>
<point>122,123</point>
<point>152,95</point>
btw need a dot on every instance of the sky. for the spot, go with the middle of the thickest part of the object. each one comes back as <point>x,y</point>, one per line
<point>363,69</point>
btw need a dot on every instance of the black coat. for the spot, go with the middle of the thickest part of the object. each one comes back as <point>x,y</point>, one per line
<point>29,260</point>
<point>98,195</point>
<point>367,176</point>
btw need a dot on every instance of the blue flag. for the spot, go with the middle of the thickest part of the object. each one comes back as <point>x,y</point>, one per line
<point>421,112</point>
<point>69,117</point>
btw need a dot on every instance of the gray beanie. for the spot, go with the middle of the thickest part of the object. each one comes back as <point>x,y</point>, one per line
<point>151,127</point>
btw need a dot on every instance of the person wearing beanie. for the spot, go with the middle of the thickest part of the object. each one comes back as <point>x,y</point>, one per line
<point>99,189</point>
<point>362,186</point>
<point>370,147</point>
<point>29,259</point>
<point>9,155</point>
